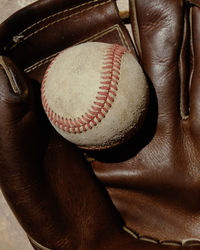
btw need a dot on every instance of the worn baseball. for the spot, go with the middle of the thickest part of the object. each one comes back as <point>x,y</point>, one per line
<point>95,95</point>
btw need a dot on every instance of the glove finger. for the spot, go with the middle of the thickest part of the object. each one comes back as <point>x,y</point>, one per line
<point>158,32</point>
<point>195,79</point>
<point>25,167</point>
<point>21,157</point>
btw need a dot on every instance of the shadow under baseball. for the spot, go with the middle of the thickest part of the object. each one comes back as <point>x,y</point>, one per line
<point>131,148</point>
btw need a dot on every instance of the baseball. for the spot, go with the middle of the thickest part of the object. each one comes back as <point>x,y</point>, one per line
<point>95,95</point>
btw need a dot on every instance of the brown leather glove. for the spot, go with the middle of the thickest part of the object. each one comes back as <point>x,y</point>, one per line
<point>153,180</point>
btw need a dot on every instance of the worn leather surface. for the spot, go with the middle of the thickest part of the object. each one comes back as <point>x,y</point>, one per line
<point>155,183</point>
<point>142,195</point>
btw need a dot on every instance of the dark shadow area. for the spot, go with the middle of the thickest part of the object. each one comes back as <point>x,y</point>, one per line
<point>131,148</point>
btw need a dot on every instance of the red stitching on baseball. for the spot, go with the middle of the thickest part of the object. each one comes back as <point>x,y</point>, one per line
<point>104,99</point>
<point>89,116</point>
<point>99,104</point>
<point>85,119</point>
<point>93,113</point>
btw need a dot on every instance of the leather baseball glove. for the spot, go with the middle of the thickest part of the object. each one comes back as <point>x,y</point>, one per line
<point>141,195</point>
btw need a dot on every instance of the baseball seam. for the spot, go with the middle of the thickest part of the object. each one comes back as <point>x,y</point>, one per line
<point>106,94</point>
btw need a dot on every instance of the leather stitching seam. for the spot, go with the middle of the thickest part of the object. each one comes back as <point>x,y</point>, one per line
<point>191,242</point>
<point>56,14</point>
<point>106,94</point>
<point>136,39</point>
<point>92,38</point>
<point>183,112</point>
<point>23,38</point>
